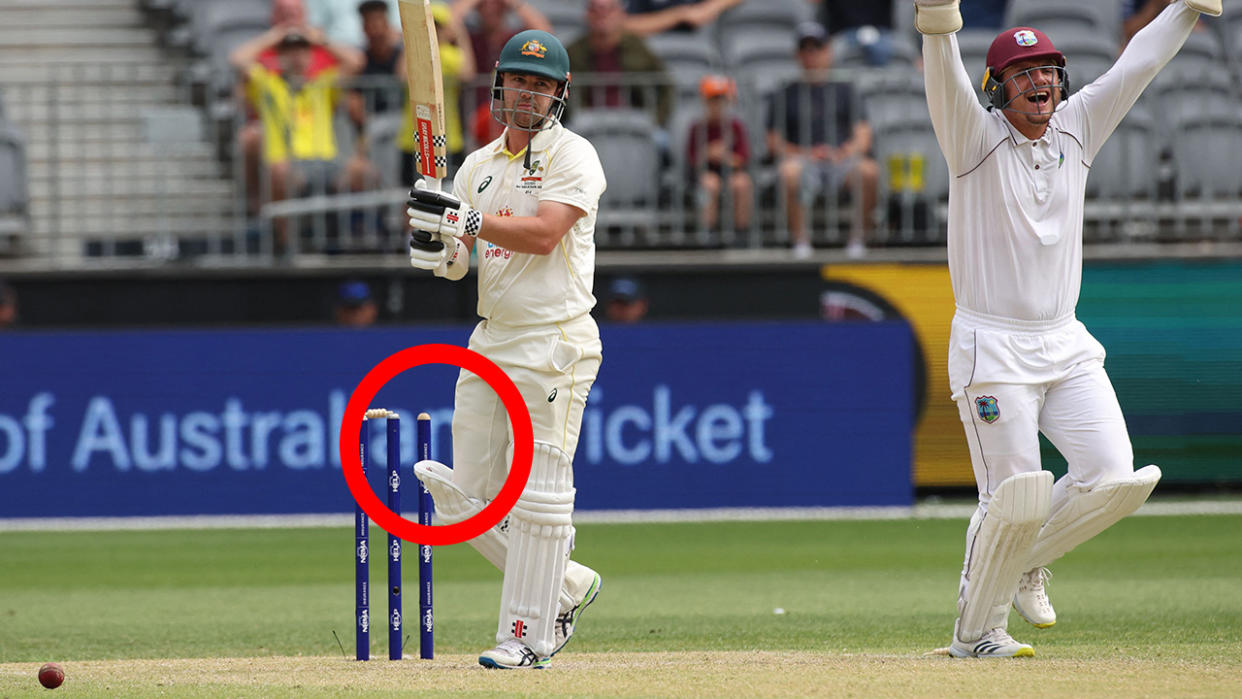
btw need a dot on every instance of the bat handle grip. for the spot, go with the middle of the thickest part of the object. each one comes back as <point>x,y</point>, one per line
<point>433,183</point>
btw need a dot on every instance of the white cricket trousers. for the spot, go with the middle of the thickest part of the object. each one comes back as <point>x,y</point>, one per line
<point>1014,379</point>
<point>552,366</point>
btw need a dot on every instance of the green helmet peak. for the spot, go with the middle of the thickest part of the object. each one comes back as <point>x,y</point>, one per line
<point>535,52</point>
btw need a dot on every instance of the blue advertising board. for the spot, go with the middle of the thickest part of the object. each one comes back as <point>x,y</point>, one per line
<point>247,422</point>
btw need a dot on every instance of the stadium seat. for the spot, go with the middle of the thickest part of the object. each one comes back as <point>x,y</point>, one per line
<point>913,135</point>
<point>1059,17</point>
<point>769,16</point>
<point>892,96</point>
<point>631,159</point>
<point>14,183</point>
<point>1206,152</point>
<point>687,58</point>
<point>762,61</point>
<point>1179,92</point>
<point>382,131</point>
<point>568,19</point>
<point>1128,163</point>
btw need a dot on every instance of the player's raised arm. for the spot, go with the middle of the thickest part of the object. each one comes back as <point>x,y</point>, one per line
<point>956,114</point>
<point>1104,103</point>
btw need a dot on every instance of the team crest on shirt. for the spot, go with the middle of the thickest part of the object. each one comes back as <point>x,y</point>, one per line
<point>532,179</point>
<point>987,409</point>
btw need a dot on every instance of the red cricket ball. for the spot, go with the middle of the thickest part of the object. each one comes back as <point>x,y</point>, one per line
<point>51,675</point>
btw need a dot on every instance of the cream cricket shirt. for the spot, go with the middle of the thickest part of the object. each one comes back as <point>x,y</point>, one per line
<point>519,289</point>
<point>1016,205</point>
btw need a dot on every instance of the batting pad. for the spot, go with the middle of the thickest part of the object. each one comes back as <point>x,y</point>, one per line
<point>453,506</point>
<point>540,535</point>
<point>1000,551</point>
<point>1082,514</point>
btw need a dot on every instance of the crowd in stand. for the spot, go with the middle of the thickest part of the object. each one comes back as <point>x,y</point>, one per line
<point>799,157</point>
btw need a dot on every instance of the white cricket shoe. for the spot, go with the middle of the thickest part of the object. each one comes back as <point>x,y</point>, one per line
<point>1031,601</point>
<point>511,654</point>
<point>996,643</point>
<point>590,582</point>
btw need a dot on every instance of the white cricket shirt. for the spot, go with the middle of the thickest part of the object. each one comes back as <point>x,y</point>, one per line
<point>1016,205</point>
<point>522,289</point>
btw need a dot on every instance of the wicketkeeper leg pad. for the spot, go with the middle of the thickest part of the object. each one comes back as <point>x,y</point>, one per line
<point>540,537</point>
<point>999,550</point>
<point>1079,515</point>
<point>453,506</point>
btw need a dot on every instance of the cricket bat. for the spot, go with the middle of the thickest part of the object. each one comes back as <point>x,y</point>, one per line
<point>422,74</point>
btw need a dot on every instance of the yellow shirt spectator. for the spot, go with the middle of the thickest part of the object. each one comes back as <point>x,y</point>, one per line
<point>296,124</point>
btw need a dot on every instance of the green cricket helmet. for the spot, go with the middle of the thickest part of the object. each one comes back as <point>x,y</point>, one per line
<point>533,52</point>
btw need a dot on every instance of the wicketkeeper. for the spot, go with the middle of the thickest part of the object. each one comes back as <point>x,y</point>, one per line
<point>1019,362</point>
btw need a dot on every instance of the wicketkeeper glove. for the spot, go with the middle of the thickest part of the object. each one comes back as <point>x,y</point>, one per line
<point>440,212</point>
<point>1207,7</point>
<point>450,260</point>
<point>937,16</point>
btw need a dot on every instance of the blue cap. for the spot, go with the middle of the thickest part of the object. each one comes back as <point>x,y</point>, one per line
<point>626,289</point>
<point>354,293</point>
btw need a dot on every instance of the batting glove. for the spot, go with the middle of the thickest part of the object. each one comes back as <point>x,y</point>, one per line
<point>937,16</point>
<point>1207,7</point>
<point>429,251</point>
<point>439,212</point>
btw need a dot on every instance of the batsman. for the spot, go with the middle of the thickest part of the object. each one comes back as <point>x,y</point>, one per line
<point>526,203</point>
<point>1020,363</point>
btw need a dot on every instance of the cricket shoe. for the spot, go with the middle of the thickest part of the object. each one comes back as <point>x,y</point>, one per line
<point>511,654</point>
<point>567,621</point>
<point>996,643</point>
<point>1031,601</point>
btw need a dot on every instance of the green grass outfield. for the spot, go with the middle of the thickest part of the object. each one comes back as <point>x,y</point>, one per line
<point>1151,607</point>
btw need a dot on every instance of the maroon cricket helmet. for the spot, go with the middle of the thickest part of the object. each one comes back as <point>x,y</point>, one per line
<point>1019,44</point>
<point>1011,46</point>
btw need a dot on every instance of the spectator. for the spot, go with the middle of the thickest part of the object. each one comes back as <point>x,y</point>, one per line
<point>984,14</point>
<point>718,152</point>
<point>343,21</point>
<point>8,306</point>
<point>457,67</point>
<point>491,23</point>
<point>286,14</point>
<point>296,106</point>
<point>616,55</point>
<point>627,302</point>
<point>382,59</point>
<point>819,132</point>
<point>647,17</point>
<point>355,308</point>
<point>866,27</point>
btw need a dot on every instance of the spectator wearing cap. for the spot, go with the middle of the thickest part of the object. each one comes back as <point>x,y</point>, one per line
<point>296,104</point>
<point>627,301</point>
<point>647,17</point>
<point>354,308</point>
<point>819,133</point>
<point>866,27</point>
<point>8,306</point>
<point>718,153</point>
<point>623,70</point>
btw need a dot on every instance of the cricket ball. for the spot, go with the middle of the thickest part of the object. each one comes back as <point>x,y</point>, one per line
<point>51,675</point>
